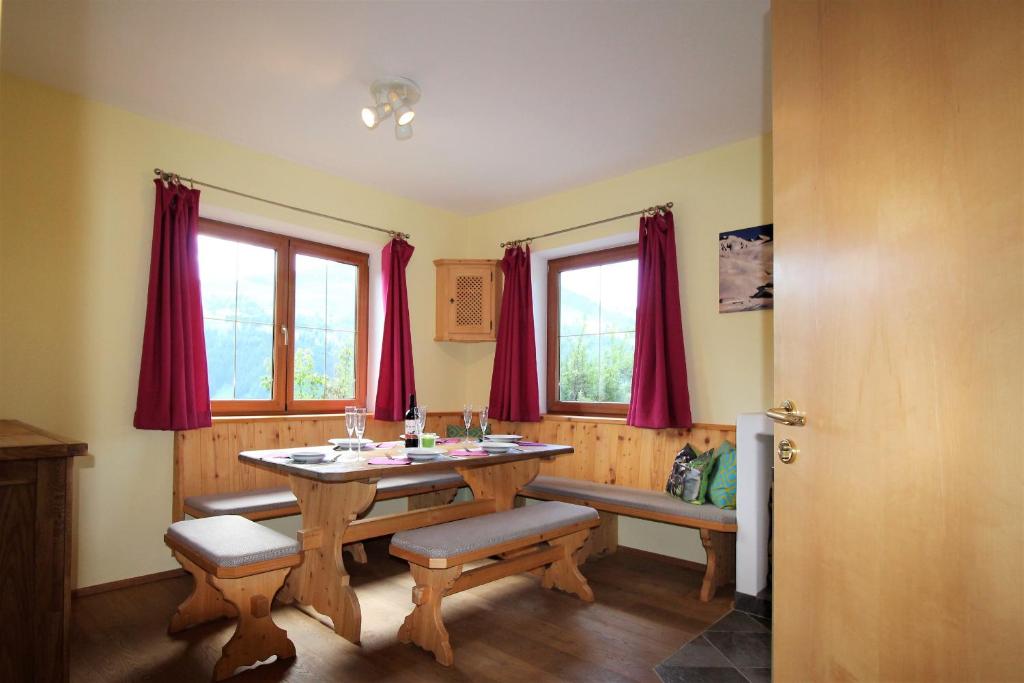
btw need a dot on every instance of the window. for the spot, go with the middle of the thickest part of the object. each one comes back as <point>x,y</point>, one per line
<point>285,321</point>
<point>591,329</point>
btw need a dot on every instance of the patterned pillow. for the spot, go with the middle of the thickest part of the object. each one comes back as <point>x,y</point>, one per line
<point>690,474</point>
<point>459,430</point>
<point>722,489</point>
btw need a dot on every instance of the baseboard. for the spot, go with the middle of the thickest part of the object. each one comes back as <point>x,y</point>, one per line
<point>758,605</point>
<point>678,561</point>
<point>127,583</point>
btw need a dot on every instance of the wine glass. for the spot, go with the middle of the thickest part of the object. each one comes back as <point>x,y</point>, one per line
<point>421,421</point>
<point>360,427</point>
<point>483,422</point>
<point>467,418</point>
<point>349,427</point>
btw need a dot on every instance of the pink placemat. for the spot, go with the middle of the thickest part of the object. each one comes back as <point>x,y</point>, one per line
<point>389,461</point>
<point>463,453</point>
<point>450,439</point>
<point>388,444</point>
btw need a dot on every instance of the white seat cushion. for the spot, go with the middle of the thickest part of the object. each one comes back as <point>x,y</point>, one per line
<point>231,541</point>
<point>243,502</point>
<point>639,499</point>
<point>487,531</point>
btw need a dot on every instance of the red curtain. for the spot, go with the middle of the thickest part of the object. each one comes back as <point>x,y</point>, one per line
<point>660,396</point>
<point>174,391</point>
<point>397,379</point>
<point>514,380</point>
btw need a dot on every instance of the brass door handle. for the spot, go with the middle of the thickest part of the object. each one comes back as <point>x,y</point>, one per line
<point>787,414</point>
<point>787,451</point>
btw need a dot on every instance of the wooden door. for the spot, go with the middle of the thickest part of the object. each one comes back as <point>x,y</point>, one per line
<point>899,331</point>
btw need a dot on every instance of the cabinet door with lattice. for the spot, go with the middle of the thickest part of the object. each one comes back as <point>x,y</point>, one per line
<point>468,300</point>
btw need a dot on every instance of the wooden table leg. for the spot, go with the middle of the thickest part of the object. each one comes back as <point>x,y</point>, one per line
<point>321,580</point>
<point>500,482</point>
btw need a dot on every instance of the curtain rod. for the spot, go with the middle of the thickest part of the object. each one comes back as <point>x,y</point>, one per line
<point>649,210</point>
<point>170,177</point>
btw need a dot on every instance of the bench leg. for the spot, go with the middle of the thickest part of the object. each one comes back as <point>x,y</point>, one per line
<point>603,540</point>
<point>204,604</point>
<point>721,568</point>
<point>424,626</point>
<point>429,500</point>
<point>357,551</point>
<point>256,637</point>
<point>564,573</point>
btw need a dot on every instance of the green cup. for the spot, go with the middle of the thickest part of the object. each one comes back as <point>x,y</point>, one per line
<point>428,440</point>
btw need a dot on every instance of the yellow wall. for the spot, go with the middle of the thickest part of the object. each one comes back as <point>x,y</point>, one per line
<point>75,225</point>
<point>76,214</point>
<point>728,356</point>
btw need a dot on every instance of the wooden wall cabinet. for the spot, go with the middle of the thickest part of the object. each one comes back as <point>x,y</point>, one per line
<point>468,300</point>
<point>35,552</point>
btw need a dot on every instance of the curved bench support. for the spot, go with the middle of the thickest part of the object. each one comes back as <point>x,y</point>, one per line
<point>256,638</point>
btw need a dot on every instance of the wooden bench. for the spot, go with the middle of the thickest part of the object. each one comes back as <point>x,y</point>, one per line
<point>237,566</point>
<point>629,467</point>
<point>717,527</point>
<point>543,535</point>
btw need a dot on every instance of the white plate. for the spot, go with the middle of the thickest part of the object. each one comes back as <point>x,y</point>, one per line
<point>503,437</point>
<point>424,454</point>
<point>497,446</point>
<point>346,443</point>
<point>307,457</point>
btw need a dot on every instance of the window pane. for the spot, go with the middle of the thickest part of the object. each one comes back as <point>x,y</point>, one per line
<point>325,322</point>
<point>220,358</point>
<point>616,367</point>
<point>341,376</point>
<point>256,272</point>
<point>254,353</point>
<point>310,361</point>
<point>597,308</point>
<point>618,296</point>
<point>580,302</point>
<point>578,368</point>
<point>310,291</point>
<point>238,281</point>
<point>217,276</point>
<point>341,296</point>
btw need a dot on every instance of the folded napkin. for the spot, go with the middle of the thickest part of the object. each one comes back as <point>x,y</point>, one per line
<point>463,453</point>
<point>389,461</point>
<point>531,443</point>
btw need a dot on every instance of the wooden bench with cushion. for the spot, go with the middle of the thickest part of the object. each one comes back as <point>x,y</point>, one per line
<point>543,535</point>
<point>238,566</point>
<point>717,527</point>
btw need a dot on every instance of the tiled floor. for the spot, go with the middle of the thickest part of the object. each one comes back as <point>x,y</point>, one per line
<point>735,649</point>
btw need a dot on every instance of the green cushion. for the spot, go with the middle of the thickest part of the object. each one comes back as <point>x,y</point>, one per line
<point>722,487</point>
<point>459,430</point>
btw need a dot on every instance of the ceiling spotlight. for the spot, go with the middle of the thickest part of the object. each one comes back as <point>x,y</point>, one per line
<point>393,96</point>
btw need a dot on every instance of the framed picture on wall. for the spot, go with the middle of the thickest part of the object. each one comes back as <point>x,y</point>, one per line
<point>745,269</point>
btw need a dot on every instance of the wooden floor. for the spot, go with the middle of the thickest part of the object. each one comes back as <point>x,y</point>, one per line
<point>511,630</point>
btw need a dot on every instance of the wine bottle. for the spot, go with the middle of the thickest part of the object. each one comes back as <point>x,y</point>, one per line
<point>411,426</point>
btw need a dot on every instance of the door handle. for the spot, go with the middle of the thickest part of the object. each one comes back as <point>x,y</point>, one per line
<point>787,414</point>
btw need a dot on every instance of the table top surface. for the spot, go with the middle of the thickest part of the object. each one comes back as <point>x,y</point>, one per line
<point>20,441</point>
<point>278,460</point>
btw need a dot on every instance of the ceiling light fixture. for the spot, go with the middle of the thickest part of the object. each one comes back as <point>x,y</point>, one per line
<point>393,96</point>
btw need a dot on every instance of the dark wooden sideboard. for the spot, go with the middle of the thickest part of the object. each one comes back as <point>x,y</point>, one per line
<point>35,552</point>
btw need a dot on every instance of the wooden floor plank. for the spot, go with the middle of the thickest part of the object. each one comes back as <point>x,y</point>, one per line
<point>508,630</point>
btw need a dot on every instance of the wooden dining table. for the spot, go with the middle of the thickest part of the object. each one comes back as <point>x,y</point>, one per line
<point>332,496</point>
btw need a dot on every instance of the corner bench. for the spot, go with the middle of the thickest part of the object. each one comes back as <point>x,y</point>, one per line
<point>717,527</point>
<point>544,535</point>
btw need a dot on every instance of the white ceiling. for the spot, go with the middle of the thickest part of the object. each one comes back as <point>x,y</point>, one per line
<point>520,99</point>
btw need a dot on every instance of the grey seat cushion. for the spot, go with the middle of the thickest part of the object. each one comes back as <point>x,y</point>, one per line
<point>243,502</point>
<point>640,499</point>
<point>231,540</point>
<point>487,531</point>
<point>392,485</point>
<point>282,498</point>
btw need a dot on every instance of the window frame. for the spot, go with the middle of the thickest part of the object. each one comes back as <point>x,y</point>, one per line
<point>556,267</point>
<point>286,248</point>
